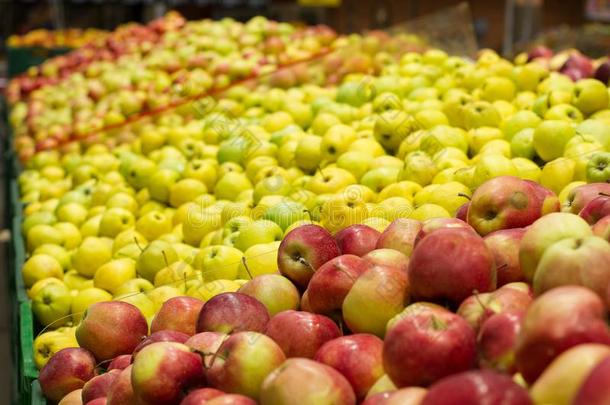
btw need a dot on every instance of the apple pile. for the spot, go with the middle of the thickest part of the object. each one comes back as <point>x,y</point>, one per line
<point>69,38</point>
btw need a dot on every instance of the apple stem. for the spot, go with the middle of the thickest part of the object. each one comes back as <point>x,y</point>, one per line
<point>243,260</point>
<point>604,194</point>
<point>466,196</point>
<point>165,258</point>
<point>135,240</point>
<point>308,213</point>
<point>476,297</point>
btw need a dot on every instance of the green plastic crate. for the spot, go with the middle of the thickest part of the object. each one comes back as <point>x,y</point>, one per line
<point>27,369</point>
<point>21,59</point>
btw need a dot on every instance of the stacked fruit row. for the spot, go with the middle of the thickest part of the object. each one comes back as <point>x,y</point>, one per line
<point>70,38</point>
<point>401,229</point>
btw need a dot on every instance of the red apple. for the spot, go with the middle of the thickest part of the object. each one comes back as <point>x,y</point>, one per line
<point>400,235</point>
<point>206,343</point>
<point>497,340</point>
<point>201,396</point>
<point>232,312</point>
<point>299,378</point>
<point>73,398</point>
<point>403,396</point>
<point>111,328</point>
<point>503,202</point>
<point>462,212</point>
<point>68,370</point>
<point>98,386</point>
<point>425,343</point>
<point>179,314</point>
<point>477,387</point>
<point>582,195</point>
<point>539,51</point>
<point>575,261</point>
<point>510,298</point>
<point>303,250</point>
<point>595,390</point>
<point>602,228</point>
<point>357,239</point>
<point>378,294</point>
<point>120,362</point>
<point>231,399</point>
<point>504,246</point>
<point>242,363</point>
<point>464,266</point>
<point>557,320</point>
<point>596,209</point>
<point>274,291</point>
<point>305,302</point>
<point>121,390</point>
<point>300,334</point>
<point>358,357</point>
<point>578,62</point>
<point>163,371</point>
<point>388,258</point>
<point>332,281</point>
<point>161,336</point>
<point>97,401</point>
<point>549,200</point>
<point>434,224</point>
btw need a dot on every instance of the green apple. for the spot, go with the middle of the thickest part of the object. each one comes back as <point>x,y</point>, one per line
<point>597,128</point>
<point>598,168</point>
<point>185,190</point>
<point>329,180</point>
<point>59,253</point>
<point>308,153</point>
<point>495,147</point>
<point>529,75</point>
<point>41,234</point>
<point>565,112</point>
<point>115,221</point>
<point>177,273</point>
<point>442,136</point>
<point>218,262</point>
<point>273,185</point>
<point>335,142</point>
<point>392,127</point>
<point>71,212</point>
<point>153,224</point>
<point>580,149</point>
<point>522,144</point>
<point>123,200</point>
<point>41,266</point>
<point>478,137</point>
<point>518,122</point>
<point>139,172</point>
<point>230,185</point>
<point>323,122</point>
<point>418,168</point>
<point>557,174</point>
<point>160,183</point>
<point>356,162</point>
<point>481,114</point>
<point>203,170</point>
<point>199,222</point>
<point>134,286</point>
<point>128,237</point>
<point>405,188</point>
<point>110,276</point>
<point>155,256</point>
<point>51,305</point>
<point>286,213</point>
<point>551,137</point>
<point>37,218</point>
<point>259,259</point>
<point>498,88</point>
<point>428,211</point>
<point>91,254</point>
<point>527,169</point>
<point>259,231</point>
<point>590,95</point>
<point>490,166</point>
<point>379,178</point>
<point>342,210</point>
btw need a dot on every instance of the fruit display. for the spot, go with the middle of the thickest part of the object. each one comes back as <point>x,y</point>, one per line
<point>427,229</point>
<point>69,38</point>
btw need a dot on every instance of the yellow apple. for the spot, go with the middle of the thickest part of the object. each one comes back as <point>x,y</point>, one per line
<point>526,169</point>
<point>113,274</point>
<point>427,211</point>
<point>258,259</point>
<point>86,298</point>
<point>39,267</point>
<point>406,189</point>
<point>76,281</point>
<point>557,174</point>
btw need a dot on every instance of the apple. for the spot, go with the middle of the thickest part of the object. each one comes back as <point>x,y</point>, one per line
<point>504,245</point>
<point>201,396</point>
<point>120,362</point>
<point>497,340</point>
<point>590,95</point>
<point>425,343</point>
<point>582,195</point>
<point>602,228</point>
<point>91,254</point>
<point>403,396</point>
<point>52,304</point>
<point>300,333</point>
<point>400,235</point>
<point>466,265</point>
<point>232,312</point>
<point>510,298</point>
<point>156,255</point>
<point>274,291</point>
<point>110,276</point>
<point>593,389</point>
<point>462,212</point>
<point>597,168</point>
<point>163,371</point>
<point>231,399</point>
<point>357,239</point>
<point>556,321</point>
<point>73,398</point>
<point>68,370</point>
<point>332,281</point>
<point>256,232</point>
<point>179,314</point>
<point>543,233</point>
<point>575,261</point>
<point>550,138</point>
<point>218,262</point>
<point>98,386</point>
<point>242,363</point>
<point>358,357</point>
<point>477,387</point>
<point>109,329</point>
<point>303,250</point>
<point>539,51</point>
<point>206,344</point>
<point>161,336</point>
<point>502,203</point>
<point>595,209</point>
<point>299,378</point>
<point>433,224</point>
<point>562,379</point>
<point>374,298</point>
<point>388,257</point>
